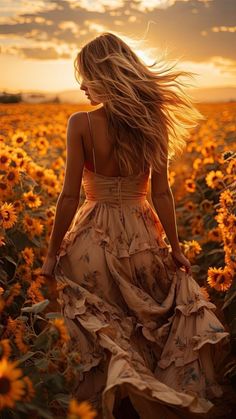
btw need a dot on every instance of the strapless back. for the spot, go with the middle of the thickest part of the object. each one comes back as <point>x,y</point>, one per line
<point>142,327</point>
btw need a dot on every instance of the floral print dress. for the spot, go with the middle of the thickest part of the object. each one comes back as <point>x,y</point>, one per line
<point>142,326</point>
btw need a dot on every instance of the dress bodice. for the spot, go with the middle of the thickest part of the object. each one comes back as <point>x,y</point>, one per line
<point>115,189</point>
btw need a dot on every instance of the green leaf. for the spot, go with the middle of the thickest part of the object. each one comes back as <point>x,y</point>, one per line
<point>213,252</point>
<point>195,268</point>
<point>25,357</point>
<point>9,259</point>
<point>41,363</point>
<point>19,239</point>
<point>63,399</point>
<point>36,308</point>
<point>23,318</point>
<point>230,295</point>
<point>3,276</point>
<point>55,382</point>
<point>53,315</point>
<point>42,341</point>
<point>42,412</point>
<point>36,241</point>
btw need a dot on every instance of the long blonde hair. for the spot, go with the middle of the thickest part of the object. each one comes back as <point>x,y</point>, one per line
<point>148,120</point>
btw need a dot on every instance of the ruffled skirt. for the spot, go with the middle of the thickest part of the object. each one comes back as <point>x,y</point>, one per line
<point>142,327</point>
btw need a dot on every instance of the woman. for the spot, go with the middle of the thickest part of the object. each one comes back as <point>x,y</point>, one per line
<point>144,331</point>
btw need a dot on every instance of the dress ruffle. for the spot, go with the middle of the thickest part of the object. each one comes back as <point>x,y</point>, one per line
<point>144,328</point>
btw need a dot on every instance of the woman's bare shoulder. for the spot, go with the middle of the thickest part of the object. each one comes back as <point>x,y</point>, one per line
<point>77,120</point>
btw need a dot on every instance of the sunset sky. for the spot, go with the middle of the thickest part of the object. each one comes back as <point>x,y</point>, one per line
<point>39,39</point>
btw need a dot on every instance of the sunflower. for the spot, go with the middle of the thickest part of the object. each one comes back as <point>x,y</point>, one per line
<point>5,348</point>
<point>12,325</point>
<point>58,163</point>
<point>231,169</point>
<point>232,240</point>
<point>219,278</point>
<point>28,255</point>
<point>232,221</point>
<point>206,205</point>
<point>32,200</point>
<point>39,174</point>
<point>5,160</point>
<point>205,294</point>
<point>29,389</point>
<point>50,184</point>
<point>13,176</point>
<point>8,216</point>
<point>190,205</point>
<point>208,149</point>
<point>197,164</point>
<point>81,410</point>
<point>197,227</point>
<point>42,143</point>
<point>35,171</point>
<point>34,293</point>
<point>215,235</point>
<point>24,272</point>
<point>208,160</point>
<point>5,189</point>
<point>20,338</point>
<point>18,205</point>
<point>18,139</point>
<point>226,198</point>
<point>227,154</point>
<point>50,212</point>
<point>32,226</point>
<point>214,179</point>
<point>222,217</point>
<point>191,249</point>
<point>20,158</point>
<point>62,333</point>
<point>230,261</point>
<point>14,291</point>
<point>11,386</point>
<point>190,185</point>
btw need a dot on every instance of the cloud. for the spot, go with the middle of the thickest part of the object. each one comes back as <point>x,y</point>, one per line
<point>42,54</point>
<point>196,29</point>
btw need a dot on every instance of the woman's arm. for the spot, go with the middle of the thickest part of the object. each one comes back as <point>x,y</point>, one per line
<point>65,211</point>
<point>163,203</point>
<point>69,197</point>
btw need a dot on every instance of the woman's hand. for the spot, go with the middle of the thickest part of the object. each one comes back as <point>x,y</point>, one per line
<point>181,260</point>
<point>48,266</point>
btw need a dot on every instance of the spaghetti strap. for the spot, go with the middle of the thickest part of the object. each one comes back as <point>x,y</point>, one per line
<point>91,134</point>
<point>93,149</point>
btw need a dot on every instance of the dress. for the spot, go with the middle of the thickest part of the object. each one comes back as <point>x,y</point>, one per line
<point>142,327</point>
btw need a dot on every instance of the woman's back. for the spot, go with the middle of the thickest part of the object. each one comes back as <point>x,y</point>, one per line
<point>98,146</point>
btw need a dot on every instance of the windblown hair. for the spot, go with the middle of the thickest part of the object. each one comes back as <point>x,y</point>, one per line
<point>149,114</point>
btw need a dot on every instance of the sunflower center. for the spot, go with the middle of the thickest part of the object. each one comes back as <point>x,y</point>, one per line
<point>3,186</point>
<point>4,385</point>
<point>11,176</point>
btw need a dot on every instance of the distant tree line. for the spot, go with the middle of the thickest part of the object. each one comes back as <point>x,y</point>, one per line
<point>10,97</point>
<point>17,97</point>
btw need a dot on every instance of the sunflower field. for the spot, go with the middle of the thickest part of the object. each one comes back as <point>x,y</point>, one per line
<point>38,369</point>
